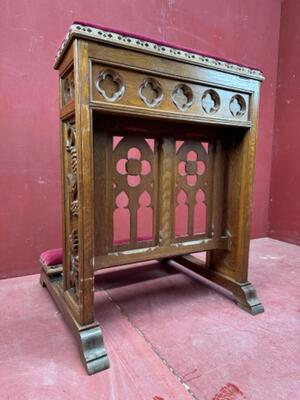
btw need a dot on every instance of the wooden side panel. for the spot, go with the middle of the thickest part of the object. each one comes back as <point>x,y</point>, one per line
<point>83,122</point>
<point>194,163</point>
<point>69,182</point>
<point>125,143</point>
<point>239,171</point>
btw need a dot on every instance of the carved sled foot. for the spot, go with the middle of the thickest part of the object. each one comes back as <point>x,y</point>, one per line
<point>246,298</point>
<point>92,351</point>
<point>244,293</point>
<point>89,337</point>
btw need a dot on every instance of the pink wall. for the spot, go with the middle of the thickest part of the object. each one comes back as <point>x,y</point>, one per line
<point>285,179</point>
<point>30,33</point>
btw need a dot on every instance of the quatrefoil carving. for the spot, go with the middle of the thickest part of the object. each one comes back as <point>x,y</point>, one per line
<point>110,85</point>
<point>237,106</point>
<point>151,92</point>
<point>210,101</point>
<point>192,164</point>
<point>191,167</point>
<point>134,167</point>
<point>183,97</point>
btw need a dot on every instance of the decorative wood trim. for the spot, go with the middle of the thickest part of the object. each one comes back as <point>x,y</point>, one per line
<point>117,39</point>
<point>164,95</point>
<point>166,217</point>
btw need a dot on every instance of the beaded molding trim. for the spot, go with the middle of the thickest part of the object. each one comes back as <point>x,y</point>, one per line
<point>118,39</point>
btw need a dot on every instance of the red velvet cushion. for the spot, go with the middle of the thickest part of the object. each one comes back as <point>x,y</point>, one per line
<point>52,257</point>
<point>161,43</point>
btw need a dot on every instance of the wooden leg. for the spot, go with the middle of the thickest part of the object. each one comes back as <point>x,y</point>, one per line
<point>244,293</point>
<point>89,337</point>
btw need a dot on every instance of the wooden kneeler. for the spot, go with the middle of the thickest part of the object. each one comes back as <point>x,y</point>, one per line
<point>157,152</point>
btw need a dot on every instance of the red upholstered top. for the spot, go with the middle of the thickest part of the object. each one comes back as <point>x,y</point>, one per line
<point>162,43</point>
<point>52,257</point>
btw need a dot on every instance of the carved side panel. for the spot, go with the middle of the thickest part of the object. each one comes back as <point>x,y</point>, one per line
<point>192,194</point>
<point>134,192</point>
<point>71,175</point>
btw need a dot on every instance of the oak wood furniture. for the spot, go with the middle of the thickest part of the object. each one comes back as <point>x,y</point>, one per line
<point>162,139</point>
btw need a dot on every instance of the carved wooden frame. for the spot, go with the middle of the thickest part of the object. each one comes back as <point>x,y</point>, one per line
<point>89,120</point>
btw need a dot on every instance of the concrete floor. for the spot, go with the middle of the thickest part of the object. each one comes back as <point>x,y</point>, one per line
<point>169,336</point>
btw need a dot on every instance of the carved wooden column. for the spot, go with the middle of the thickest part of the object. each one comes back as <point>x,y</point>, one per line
<point>75,292</point>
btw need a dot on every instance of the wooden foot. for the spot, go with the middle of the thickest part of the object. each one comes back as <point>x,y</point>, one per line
<point>246,298</point>
<point>89,337</point>
<point>244,293</point>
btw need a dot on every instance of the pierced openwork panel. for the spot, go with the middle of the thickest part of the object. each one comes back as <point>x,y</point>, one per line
<point>71,173</point>
<point>193,185</point>
<point>157,192</point>
<point>134,191</point>
<point>68,88</point>
<point>141,93</point>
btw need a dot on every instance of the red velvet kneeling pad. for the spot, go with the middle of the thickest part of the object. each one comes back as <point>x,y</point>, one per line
<point>55,256</point>
<point>52,257</point>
